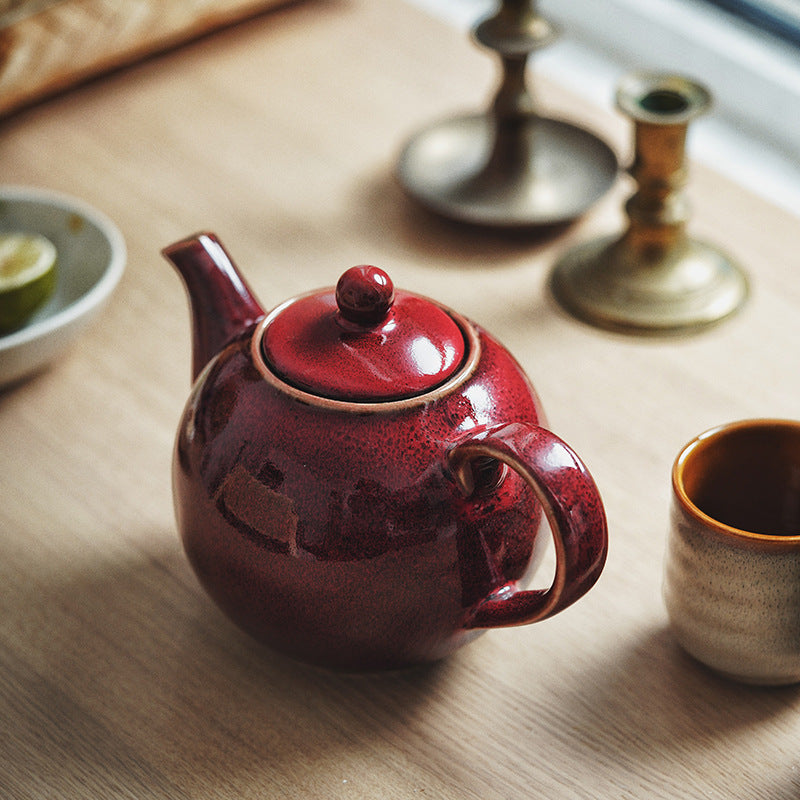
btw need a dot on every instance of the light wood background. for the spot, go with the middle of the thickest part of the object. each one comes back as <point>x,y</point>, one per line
<point>119,679</point>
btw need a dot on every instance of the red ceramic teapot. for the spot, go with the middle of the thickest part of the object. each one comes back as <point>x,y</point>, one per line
<point>359,475</point>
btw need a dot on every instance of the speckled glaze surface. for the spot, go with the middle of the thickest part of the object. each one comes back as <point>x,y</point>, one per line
<point>732,595</point>
<point>375,344</point>
<point>371,535</point>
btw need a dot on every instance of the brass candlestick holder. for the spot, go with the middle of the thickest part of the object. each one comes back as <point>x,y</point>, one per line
<point>509,167</point>
<point>654,278</point>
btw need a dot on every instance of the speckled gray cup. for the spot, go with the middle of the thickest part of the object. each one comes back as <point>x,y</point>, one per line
<point>732,576</point>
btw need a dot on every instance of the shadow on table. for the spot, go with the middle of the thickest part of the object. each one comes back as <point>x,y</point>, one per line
<point>123,673</point>
<point>383,213</point>
<point>119,672</point>
<point>652,705</point>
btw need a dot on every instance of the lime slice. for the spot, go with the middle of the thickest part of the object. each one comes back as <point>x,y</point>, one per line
<point>27,277</point>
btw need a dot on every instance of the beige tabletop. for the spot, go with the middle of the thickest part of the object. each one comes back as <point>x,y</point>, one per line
<point>120,679</point>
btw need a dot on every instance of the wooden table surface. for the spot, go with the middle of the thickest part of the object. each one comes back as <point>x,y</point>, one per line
<point>120,679</point>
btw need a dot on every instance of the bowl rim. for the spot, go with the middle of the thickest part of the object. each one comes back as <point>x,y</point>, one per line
<point>99,291</point>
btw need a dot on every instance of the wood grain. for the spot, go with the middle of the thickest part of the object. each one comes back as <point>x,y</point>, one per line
<point>119,678</point>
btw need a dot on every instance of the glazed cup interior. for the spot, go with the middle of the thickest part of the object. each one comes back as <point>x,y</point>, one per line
<point>745,476</point>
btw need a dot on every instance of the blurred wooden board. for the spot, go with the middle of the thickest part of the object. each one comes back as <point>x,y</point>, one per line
<point>47,46</point>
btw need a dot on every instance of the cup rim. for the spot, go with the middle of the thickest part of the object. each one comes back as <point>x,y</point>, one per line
<point>704,440</point>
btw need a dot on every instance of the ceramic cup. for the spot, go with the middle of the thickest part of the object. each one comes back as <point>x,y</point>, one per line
<point>732,577</point>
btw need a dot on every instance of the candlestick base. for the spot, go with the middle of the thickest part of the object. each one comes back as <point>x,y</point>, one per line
<point>691,287</point>
<point>552,175</point>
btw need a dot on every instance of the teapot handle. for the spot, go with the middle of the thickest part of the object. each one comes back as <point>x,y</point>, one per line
<point>571,503</point>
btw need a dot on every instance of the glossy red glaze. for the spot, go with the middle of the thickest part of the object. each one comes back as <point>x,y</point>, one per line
<point>379,534</point>
<point>412,347</point>
<point>221,301</point>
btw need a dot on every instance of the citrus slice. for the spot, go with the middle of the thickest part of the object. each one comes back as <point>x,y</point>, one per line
<point>27,276</point>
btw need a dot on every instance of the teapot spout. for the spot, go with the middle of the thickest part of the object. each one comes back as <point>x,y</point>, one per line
<point>222,304</point>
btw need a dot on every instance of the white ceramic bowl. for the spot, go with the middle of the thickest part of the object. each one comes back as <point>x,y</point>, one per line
<point>91,260</point>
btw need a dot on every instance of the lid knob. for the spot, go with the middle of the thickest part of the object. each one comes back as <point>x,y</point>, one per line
<point>364,295</point>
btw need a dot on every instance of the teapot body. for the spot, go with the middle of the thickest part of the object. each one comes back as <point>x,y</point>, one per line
<point>336,532</point>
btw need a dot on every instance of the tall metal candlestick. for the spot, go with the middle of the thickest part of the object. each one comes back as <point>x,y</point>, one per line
<point>508,167</point>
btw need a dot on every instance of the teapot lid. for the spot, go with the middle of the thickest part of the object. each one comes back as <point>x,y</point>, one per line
<point>363,342</point>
